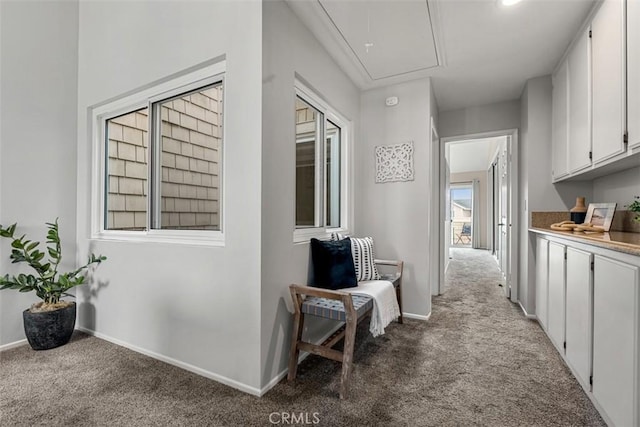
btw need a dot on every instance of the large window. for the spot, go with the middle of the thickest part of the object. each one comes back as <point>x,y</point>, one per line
<point>162,162</point>
<point>320,166</point>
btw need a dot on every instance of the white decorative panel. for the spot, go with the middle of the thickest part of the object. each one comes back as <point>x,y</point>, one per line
<point>394,162</point>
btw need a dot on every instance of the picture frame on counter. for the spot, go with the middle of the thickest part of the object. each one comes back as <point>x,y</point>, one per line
<point>601,215</point>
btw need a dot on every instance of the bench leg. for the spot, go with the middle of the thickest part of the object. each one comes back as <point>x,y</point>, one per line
<point>347,357</point>
<point>399,296</point>
<point>296,336</point>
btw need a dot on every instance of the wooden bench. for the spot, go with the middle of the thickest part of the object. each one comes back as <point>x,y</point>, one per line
<point>340,306</point>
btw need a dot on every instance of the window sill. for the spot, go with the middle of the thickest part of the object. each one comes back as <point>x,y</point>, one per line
<point>191,238</point>
<point>304,235</point>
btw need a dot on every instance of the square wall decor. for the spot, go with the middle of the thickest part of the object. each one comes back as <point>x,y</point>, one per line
<point>394,162</point>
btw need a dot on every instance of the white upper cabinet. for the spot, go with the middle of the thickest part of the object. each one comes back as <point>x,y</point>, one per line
<point>608,80</point>
<point>560,129</point>
<point>580,104</point>
<point>633,72</point>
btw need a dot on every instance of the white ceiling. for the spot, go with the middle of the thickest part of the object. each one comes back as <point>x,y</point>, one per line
<point>472,155</point>
<point>486,51</point>
<point>391,52</point>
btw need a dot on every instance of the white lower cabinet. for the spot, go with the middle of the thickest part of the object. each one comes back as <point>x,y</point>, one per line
<point>542,280</point>
<point>588,302</point>
<point>578,313</point>
<point>556,306</point>
<point>615,340</point>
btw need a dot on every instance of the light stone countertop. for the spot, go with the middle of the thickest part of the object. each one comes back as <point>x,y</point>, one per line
<point>619,241</point>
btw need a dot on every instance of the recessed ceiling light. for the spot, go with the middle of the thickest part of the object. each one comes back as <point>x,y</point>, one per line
<point>509,2</point>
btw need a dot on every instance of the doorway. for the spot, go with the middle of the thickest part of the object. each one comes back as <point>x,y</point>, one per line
<point>461,198</point>
<point>478,198</point>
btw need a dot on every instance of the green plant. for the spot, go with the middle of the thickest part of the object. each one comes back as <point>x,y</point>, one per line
<point>635,207</point>
<point>47,283</point>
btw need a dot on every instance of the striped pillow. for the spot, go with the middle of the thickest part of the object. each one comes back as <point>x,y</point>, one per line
<point>337,236</point>
<point>363,256</point>
<point>363,259</point>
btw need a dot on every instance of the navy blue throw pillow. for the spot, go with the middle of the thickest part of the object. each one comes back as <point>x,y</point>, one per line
<point>333,264</point>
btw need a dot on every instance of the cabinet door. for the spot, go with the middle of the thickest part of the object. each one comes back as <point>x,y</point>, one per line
<point>615,340</point>
<point>560,129</point>
<point>542,280</point>
<point>579,104</point>
<point>608,80</point>
<point>633,72</point>
<point>556,314</point>
<point>579,306</point>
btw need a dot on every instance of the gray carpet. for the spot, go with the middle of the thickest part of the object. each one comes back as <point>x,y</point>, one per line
<point>478,361</point>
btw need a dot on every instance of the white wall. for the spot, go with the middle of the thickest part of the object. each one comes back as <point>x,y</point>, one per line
<point>617,188</point>
<point>288,48</point>
<point>479,119</point>
<point>397,214</point>
<point>483,215</point>
<point>537,193</point>
<point>197,306</point>
<point>38,88</point>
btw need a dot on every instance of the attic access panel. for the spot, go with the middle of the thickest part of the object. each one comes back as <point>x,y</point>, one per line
<point>400,32</point>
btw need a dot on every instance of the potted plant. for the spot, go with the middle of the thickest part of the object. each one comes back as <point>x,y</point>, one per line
<point>635,207</point>
<point>50,322</point>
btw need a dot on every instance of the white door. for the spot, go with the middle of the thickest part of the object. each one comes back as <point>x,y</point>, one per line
<point>505,215</point>
<point>503,225</point>
<point>556,313</point>
<point>578,309</point>
<point>495,205</point>
<point>447,213</point>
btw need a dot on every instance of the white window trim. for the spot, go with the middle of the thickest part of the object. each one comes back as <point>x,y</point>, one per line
<point>303,235</point>
<point>99,114</point>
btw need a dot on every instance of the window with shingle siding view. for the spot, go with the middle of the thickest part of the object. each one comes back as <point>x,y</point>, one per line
<point>190,140</point>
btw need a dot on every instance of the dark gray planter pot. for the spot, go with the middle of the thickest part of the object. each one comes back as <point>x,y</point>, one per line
<point>49,329</point>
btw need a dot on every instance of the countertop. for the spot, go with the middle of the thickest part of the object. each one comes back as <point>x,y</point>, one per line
<point>619,241</point>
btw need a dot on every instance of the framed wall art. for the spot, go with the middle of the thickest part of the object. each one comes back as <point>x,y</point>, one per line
<point>394,162</point>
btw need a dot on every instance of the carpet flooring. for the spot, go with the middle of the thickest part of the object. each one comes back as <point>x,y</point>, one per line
<point>477,362</point>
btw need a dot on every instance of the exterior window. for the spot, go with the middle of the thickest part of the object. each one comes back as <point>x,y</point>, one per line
<point>127,171</point>
<point>320,170</point>
<point>191,138</point>
<point>333,175</point>
<point>158,167</point>
<point>308,129</point>
<point>184,178</point>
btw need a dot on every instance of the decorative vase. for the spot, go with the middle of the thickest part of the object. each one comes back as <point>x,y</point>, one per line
<point>49,329</point>
<point>579,211</point>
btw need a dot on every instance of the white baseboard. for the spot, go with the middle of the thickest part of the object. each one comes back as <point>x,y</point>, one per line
<point>12,345</point>
<point>417,316</point>
<point>527,315</point>
<point>186,366</point>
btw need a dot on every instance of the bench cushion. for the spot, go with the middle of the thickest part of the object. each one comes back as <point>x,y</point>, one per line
<point>334,309</point>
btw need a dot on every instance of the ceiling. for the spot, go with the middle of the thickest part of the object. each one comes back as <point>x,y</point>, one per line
<point>381,49</point>
<point>472,155</point>
<point>476,51</point>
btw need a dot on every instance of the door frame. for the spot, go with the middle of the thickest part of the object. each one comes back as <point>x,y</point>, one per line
<point>438,187</point>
